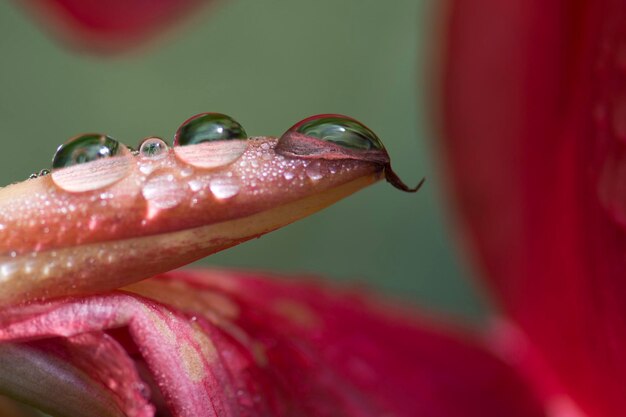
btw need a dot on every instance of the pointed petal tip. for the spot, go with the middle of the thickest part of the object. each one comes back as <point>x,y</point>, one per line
<point>393,179</point>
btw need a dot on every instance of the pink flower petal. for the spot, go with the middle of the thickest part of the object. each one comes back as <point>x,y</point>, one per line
<point>112,25</point>
<point>87,374</point>
<point>534,99</point>
<point>226,344</point>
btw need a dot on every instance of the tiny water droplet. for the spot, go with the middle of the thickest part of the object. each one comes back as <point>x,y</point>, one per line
<point>195,185</point>
<point>153,148</point>
<point>224,187</point>
<point>288,175</point>
<point>6,270</point>
<point>314,172</point>
<point>163,191</point>
<point>186,172</point>
<point>112,384</point>
<point>147,169</point>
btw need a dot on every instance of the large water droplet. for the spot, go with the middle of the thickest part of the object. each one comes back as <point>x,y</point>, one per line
<point>163,191</point>
<point>208,127</point>
<point>224,187</point>
<point>342,130</point>
<point>90,162</point>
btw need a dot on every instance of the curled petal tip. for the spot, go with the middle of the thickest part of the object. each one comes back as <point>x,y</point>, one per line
<point>393,179</point>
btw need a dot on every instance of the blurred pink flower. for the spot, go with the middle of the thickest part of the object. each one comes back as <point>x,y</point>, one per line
<point>110,26</point>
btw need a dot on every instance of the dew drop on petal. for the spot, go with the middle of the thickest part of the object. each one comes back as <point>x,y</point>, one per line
<point>195,185</point>
<point>224,187</point>
<point>339,129</point>
<point>186,172</point>
<point>90,162</point>
<point>163,191</point>
<point>153,148</point>
<point>147,169</point>
<point>208,127</point>
<point>314,171</point>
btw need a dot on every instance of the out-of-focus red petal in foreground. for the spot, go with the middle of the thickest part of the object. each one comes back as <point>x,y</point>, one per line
<point>112,25</point>
<point>535,126</point>
<point>233,344</point>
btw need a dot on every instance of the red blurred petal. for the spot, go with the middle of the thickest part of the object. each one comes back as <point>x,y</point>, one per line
<point>535,116</point>
<point>111,25</point>
<point>229,344</point>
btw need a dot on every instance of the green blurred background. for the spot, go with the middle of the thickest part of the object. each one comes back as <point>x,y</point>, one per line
<point>268,64</point>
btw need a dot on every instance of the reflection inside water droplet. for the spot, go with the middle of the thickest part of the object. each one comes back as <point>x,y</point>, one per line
<point>90,162</point>
<point>208,127</point>
<point>339,129</point>
<point>153,148</point>
<point>224,187</point>
<point>211,154</point>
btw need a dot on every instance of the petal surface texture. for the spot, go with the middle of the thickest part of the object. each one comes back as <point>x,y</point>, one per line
<point>534,112</point>
<point>235,344</point>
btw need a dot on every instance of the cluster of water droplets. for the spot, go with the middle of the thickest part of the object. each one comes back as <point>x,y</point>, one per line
<point>165,179</point>
<point>98,181</point>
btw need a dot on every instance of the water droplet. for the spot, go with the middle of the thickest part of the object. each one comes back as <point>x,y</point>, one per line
<point>208,127</point>
<point>147,169</point>
<point>90,162</point>
<point>163,191</point>
<point>153,148</point>
<point>288,175</point>
<point>186,172</point>
<point>6,270</point>
<point>224,187</point>
<point>314,171</point>
<point>112,384</point>
<point>341,130</point>
<point>195,185</point>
